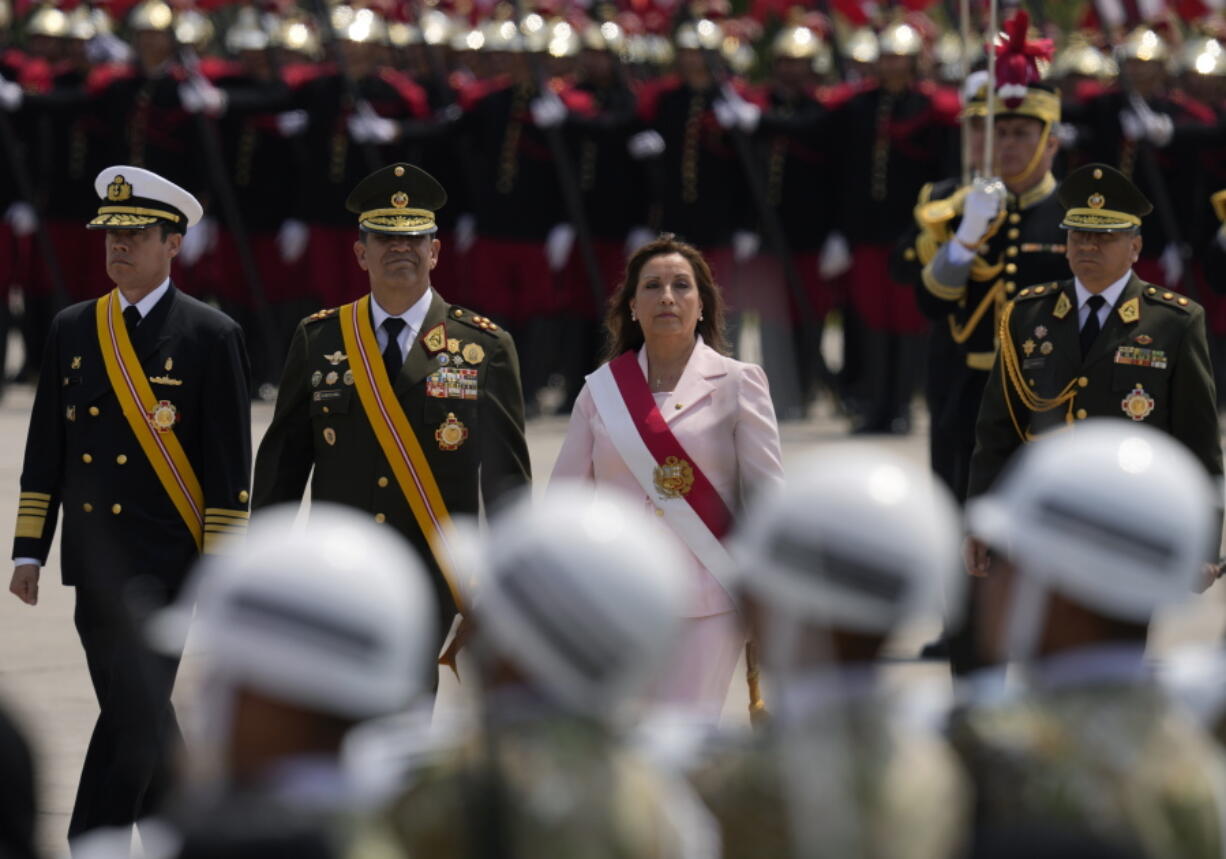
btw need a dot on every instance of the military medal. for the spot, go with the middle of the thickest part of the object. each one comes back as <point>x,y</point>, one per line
<point>1130,310</point>
<point>673,479</point>
<point>453,345</point>
<point>473,353</point>
<point>331,377</point>
<point>336,357</point>
<point>1046,348</point>
<point>1040,331</point>
<point>1143,339</point>
<point>444,359</point>
<point>1028,347</point>
<point>450,433</point>
<point>164,416</point>
<point>76,362</point>
<point>316,378</point>
<point>330,436</point>
<point>1138,404</point>
<point>436,385</point>
<point>348,377</point>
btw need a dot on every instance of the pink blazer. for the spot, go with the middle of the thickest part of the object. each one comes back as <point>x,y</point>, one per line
<point>721,412</point>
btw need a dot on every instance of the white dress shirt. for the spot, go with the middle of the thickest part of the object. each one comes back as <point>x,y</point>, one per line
<point>1111,294</point>
<point>413,318</point>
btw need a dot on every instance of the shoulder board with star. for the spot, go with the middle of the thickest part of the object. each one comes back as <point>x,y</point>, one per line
<point>474,320</point>
<point>1173,300</point>
<point>1042,290</point>
<point>322,314</point>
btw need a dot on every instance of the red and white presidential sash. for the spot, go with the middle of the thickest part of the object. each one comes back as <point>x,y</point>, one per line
<point>669,476</point>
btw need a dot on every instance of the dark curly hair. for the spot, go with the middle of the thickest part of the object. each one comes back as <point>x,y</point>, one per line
<point>622,333</point>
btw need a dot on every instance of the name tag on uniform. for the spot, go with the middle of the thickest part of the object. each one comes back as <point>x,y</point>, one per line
<point>322,396</point>
<point>1138,356</point>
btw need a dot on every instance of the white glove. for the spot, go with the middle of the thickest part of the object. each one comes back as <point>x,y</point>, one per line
<point>1159,128</point>
<point>107,48</point>
<point>11,95</point>
<point>725,113</point>
<point>548,111</point>
<point>1067,134</point>
<point>465,232</point>
<point>1221,237</point>
<point>369,127</point>
<point>196,95</point>
<point>1131,125</point>
<point>292,239</point>
<point>1172,265</point>
<point>645,144</point>
<point>743,114</point>
<point>980,209</point>
<point>558,245</point>
<point>745,245</point>
<point>198,241</point>
<point>835,257</point>
<point>291,123</point>
<point>636,238</point>
<point>22,218</point>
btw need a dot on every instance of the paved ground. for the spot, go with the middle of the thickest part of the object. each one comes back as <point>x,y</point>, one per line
<point>42,671</point>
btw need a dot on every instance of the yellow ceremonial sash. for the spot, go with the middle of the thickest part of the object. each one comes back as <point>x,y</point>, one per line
<point>396,436</point>
<point>136,398</point>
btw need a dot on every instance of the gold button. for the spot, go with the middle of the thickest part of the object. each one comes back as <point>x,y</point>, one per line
<point>1183,302</point>
<point>1031,381</point>
<point>1081,414</point>
<point>85,457</point>
<point>122,458</point>
<point>327,410</point>
<point>659,511</point>
<point>1168,295</point>
<point>87,507</point>
<point>1083,381</point>
<point>1039,290</point>
<point>1011,251</point>
<point>1014,233</point>
<point>679,406</point>
<point>379,517</point>
<point>93,410</point>
<point>382,481</point>
<point>1024,293</point>
<point>1151,291</point>
<point>909,254</point>
<point>243,496</point>
<point>457,313</point>
<point>1015,218</point>
<point>116,509</point>
<point>1011,268</point>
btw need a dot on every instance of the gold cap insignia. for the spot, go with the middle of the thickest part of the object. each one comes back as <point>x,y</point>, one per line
<point>450,433</point>
<point>673,479</point>
<point>119,189</point>
<point>400,200</point>
<point>1096,201</point>
<point>473,353</point>
<point>436,339</point>
<point>1098,174</point>
<point>399,171</point>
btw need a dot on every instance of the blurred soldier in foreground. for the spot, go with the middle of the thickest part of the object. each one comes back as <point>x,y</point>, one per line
<point>17,799</point>
<point>1099,529</point>
<point>579,600</point>
<point>306,630</point>
<point>855,546</point>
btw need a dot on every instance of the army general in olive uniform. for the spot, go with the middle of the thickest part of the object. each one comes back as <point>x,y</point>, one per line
<point>406,407</point>
<point>1105,344</point>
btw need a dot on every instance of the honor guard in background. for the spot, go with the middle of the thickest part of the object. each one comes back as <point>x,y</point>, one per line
<point>1104,344</point>
<point>894,136</point>
<point>580,604</point>
<point>1099,529</point>
<point>141,433</point>
<point>406,407</point>
<point>856,545</point>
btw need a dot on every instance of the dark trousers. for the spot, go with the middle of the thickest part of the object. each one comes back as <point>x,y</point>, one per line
<point>128,767</point>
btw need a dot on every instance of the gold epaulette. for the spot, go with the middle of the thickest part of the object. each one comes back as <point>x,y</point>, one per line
<point>1014,380</point>
<point>1030,292</point>
<point>481,323</point>
<point>1171,299</point>
<point>322,314</point>
<point>222,525</point>
<point>32,514</point>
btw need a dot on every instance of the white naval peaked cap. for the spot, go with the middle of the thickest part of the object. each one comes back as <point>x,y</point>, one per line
<point>134,198</point>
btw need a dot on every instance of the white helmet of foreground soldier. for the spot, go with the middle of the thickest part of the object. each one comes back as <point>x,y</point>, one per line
<point>1116,516</point>
<point>857,540</point>
<point>582,592</point>
<point>335,616</point>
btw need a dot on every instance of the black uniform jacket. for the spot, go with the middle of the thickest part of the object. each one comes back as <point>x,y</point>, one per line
<point>319,422</point>
<point>119,522</point>
<point>1150,363</point>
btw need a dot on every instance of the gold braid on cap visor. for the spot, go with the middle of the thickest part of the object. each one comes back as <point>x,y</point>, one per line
<point>397,220</point>
<point>107,215</point>
<point>1099,219</point>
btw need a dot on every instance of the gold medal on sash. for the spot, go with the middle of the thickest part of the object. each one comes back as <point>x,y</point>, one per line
<point>674,479</point>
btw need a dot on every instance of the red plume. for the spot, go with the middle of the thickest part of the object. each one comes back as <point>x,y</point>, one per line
<point>1017,59</point>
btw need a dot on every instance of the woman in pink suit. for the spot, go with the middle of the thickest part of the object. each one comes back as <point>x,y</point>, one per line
<point>670,418</point>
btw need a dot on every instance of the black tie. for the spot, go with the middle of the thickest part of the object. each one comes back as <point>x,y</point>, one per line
<point>392,359</point>
<point>1089,331</point>
<point>131,318</point>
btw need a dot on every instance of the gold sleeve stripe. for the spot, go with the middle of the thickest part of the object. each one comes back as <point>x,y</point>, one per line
<point>34,502</point>
<point>941,290</point>
<point>222,512</point>
<point>213,529</point>
<point>35,496</point>
<point>216,543</point>
<point>30,526</point>
<point>33,506</point>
